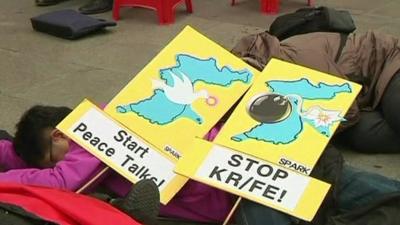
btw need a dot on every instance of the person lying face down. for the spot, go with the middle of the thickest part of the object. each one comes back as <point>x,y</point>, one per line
<point>42,155</point>
<point>37,141</point>
<point>371,59</point>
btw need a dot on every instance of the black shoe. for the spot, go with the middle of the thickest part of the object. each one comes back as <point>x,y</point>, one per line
<point>142,203</point>
<point>96,6</point>
<point>47,2</point>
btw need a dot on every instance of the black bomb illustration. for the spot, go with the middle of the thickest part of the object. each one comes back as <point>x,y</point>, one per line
<point>269,108</point>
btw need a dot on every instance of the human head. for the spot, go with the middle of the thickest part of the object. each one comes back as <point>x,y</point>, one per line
<point>37,141</point>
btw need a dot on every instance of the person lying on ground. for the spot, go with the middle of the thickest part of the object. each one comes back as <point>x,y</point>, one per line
<point>371,59</point>
<point>42,155</point>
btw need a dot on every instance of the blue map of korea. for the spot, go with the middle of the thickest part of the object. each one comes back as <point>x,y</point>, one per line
<point>158,109</point>
<point>288,130</point>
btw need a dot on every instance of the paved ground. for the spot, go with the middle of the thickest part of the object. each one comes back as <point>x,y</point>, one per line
<point>38,68</point>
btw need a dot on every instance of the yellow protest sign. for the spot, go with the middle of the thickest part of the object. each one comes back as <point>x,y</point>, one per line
<point>253,178</point>
<point>182,92</point>
<point>121,149</point>
<point>288,115</point>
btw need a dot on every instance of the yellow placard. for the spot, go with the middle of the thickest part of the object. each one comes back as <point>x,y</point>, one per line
<point>253,178</point>
<point>182,92</point>
<point>288,115</point>
<point>121,149</point>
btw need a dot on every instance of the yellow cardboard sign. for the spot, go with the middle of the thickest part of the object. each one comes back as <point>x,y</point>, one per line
<point>121,149</point>
<point>182,92</point>
<point>289,115</point>
<point>253,178</point>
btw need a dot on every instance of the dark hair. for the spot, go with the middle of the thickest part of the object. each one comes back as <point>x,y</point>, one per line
<point>29,142</point>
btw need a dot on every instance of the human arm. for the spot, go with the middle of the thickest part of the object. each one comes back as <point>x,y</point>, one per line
<point>71,173</point>
<point>257,49</point>
<point>8,158</point>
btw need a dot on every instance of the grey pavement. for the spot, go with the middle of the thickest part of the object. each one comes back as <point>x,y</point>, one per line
<point>41,69</point>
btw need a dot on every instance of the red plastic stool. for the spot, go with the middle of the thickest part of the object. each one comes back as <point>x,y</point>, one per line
<point>165,8</point>
<point>272,6</point>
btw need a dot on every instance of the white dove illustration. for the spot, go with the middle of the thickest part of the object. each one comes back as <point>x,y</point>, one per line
<point>321,117</point>
<point>182,92</point>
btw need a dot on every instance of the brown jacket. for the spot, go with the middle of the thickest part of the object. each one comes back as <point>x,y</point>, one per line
<point>370,59</point>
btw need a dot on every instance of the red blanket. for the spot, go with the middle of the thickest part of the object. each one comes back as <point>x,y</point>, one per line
<point>63,207</point>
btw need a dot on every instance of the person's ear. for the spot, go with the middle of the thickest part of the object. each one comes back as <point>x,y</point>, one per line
<point>57,134</point>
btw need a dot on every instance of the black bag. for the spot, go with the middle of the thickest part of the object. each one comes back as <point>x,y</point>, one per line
<point>306,20</point>
<point>68,24</point>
